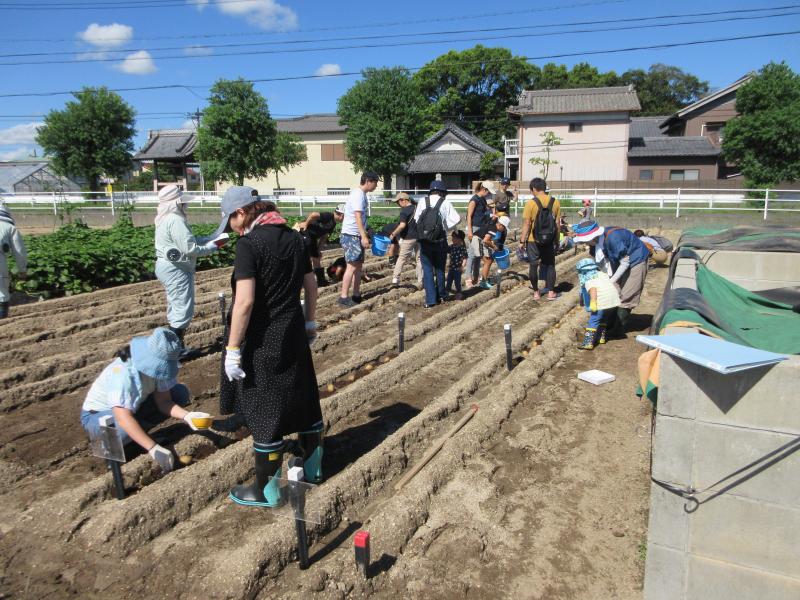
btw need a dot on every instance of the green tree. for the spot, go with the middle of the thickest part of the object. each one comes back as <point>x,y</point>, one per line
<point>553,76</point>
<point>383,114</point>
<point>487,163</point>
<point>289,152</point>
<point>237,137</point>
<point>549,140</point>
<point>91,137</point>
<point>764,140</point>
<point>473,88</point>
<point>664,89</point>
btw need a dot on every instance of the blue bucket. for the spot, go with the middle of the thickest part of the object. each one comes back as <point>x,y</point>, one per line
<point>380,244</point>
<point>501,258</point>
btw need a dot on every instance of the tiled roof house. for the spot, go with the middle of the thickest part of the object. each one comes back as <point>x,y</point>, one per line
<point>592,123</point>
<point>452,154</point>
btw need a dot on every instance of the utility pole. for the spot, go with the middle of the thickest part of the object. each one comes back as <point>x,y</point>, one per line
<point>195,117</point>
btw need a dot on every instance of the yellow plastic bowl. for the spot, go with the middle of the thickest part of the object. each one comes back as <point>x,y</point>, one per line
<point>202,422</point>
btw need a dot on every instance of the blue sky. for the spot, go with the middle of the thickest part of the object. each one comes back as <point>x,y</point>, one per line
<point>133,43</point>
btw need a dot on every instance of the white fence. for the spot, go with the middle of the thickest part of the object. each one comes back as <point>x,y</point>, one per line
<point>656,201</point>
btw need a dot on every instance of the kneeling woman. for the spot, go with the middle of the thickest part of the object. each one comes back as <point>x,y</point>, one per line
<point>140,383</point>
<point>268,371</point>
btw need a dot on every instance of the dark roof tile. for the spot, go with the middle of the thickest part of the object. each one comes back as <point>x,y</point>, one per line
<point>577,100</point>
<point>665,146</point>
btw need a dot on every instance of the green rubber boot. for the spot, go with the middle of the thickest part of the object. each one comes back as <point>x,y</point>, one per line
<point>310,443</point>
<point>588,339</point>
<point>263,491</point>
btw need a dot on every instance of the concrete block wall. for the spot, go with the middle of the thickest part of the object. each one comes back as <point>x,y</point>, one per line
<point>745,542</point>
<point>754,270</point>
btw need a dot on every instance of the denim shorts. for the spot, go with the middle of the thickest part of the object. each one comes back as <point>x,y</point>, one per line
<point>351,244</point>
<point>91,419</point>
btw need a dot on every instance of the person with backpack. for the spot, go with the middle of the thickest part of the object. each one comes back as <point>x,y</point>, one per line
<point>10,241</point>
<point>626,257</point>
<point>478,214</point>
<point>435,216</point>
<point>540,234</point>
<point>503,199</point>
<point>659,247</point>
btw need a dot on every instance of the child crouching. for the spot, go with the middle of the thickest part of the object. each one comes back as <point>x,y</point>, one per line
<point>599,295</point>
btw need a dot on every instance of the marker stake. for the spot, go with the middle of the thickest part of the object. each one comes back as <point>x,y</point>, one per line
<point>361,546</point>
<point>401,330</point>
<point>509,359</point>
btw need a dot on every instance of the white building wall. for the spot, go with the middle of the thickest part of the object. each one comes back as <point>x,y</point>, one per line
<point>313,175</point>
<point>447,143</point>
<point>598,152</point>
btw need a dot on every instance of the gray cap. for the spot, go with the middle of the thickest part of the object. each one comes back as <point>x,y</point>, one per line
<point>235,197</point>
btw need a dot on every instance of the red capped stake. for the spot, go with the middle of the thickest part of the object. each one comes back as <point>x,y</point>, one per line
<point>361,546</point>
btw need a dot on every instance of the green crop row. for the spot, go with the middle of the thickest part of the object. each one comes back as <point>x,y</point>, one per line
<point>77,258</point>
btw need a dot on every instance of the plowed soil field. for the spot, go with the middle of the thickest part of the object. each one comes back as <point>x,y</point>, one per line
<point>543,494</point>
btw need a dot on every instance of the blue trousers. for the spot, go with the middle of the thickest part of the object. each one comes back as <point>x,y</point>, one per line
<point>453,276</point>
<point>596,319</point>
<point>433,256</point>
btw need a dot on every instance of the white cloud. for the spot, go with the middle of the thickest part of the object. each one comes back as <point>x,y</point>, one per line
<point>200,4</point>
<point>189,124</point>
<point>197,50</point>
<point>18,153</point>
<point>328,69</point>
<point>19,134</point>
<point>106,36</point>
<point>266,14</point>
<point>137,63</point>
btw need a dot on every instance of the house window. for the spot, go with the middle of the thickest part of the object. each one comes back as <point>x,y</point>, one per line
<point>338,191</point>
<point>332,152</point>
<point>284,191</point>
<point>575,127</point>
<point>684,175</point>
<point>714,132</point>
<point>646,174</point>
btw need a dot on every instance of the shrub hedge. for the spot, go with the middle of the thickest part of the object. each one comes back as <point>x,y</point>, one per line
<point>77,259</point>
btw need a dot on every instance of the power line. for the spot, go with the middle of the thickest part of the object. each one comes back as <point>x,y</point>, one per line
<point>439,33</point>
<point>129,4</point>
<point>404,23</point>
<point>383,44</point>
<point>356,73</point>
<point>110,4</point>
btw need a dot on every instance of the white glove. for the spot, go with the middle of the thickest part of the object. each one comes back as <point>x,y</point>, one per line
<point>233,364</point>
<point>194,415</point>
<point>311,332</point>
<point>210,246</point>
<point>164,458</point>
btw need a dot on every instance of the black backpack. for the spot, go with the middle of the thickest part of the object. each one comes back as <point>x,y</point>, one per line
<point>430,226</point>
<point>544,226</point>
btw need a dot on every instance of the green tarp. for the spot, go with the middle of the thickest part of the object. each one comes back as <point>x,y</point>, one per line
<point>749,318</point>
